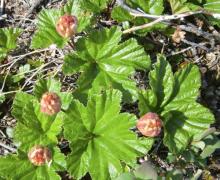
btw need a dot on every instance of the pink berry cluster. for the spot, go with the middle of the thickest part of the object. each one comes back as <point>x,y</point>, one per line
<point>39,155</point>
<point>50,103</point>
<point>150,124</point>
<point>66,26</point>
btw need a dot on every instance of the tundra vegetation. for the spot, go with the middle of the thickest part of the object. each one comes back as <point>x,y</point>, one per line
<point>108,89</point>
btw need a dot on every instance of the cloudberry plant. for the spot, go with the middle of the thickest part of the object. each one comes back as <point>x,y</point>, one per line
<point>39,155</point>
<point>149,124</point>
<point>50,103</point>
<point>66,26</point>
<point>98,136</point>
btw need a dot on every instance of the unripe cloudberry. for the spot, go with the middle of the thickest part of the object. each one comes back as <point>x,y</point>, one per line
<point>149,125</point>
<point>39,155</point>
<point>66,26</point>
<point>50,103</point>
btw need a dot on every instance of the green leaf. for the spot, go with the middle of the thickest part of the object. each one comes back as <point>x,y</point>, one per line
<point>94,5</point>
<point>2,98</point>
<point>147,102</point>
<point>20,101</point>
<point>36,63</point>
<point>59,160</point>
<point>98,44</point>
<point>129,53</point>
<point>162,81</point>
<point>36,127</point>
<point>8,39</point>
<point>19,167</point>
<point>193,7</point>
<point>197,1</point>
<point>47,35</point>
<point>188,118</point>
<point>73,64</point>
<point>214,21</point>
<point>105,63</point>
<point>120,14</point>
<point>189,77</point>
<point>155,7</point>
<point>212,6</point>
<point>66,99</point>
<point>174,174</point>
<point>178,6</point>
<point>212,143</point>
<point>126,176</point>
<point>85,83</point>
<point>77,161</point>
<point>99,136</point>
<point>23,69</point>
<point>51,85</point>
<point>204,134</point>
<point>146,142</point>
<point>152,6</point>
<point>146,171</point>
<point>174,98</point>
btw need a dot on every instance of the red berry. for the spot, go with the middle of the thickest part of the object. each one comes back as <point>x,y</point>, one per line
<point>149,124</point>
<point>66,26</point>
<point>50,103</point>
<point>39,155</point>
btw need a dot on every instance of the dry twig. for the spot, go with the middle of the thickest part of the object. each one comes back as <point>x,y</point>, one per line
<point>156,18</point>
<point>20,57</point>
<point>160,19</point>
<point>7,147</point>
<point>2,7</point>
<point>36,72</point>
